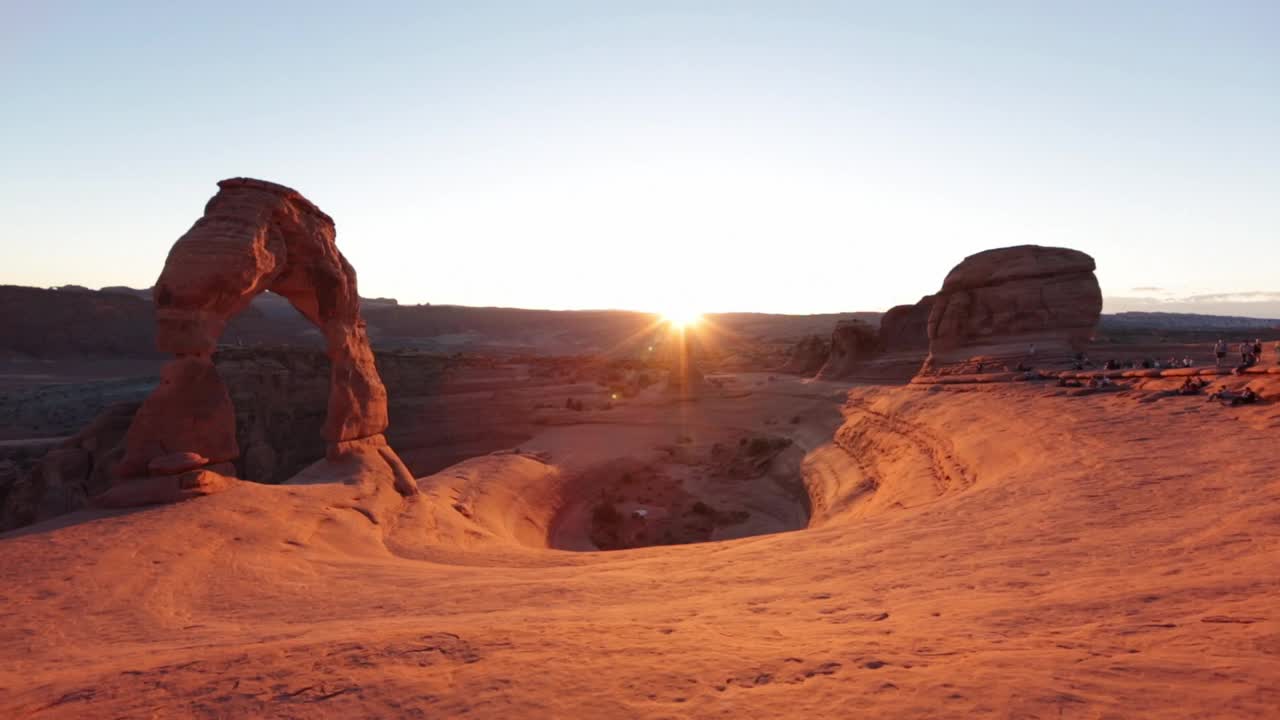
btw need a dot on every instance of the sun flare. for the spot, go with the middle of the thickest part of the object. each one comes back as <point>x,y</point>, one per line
<point>682,318</point>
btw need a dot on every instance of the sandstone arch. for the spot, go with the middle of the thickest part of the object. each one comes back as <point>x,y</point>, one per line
<point>254,236</point>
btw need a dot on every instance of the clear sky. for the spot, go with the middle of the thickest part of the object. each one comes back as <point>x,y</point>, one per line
<point>785,156</point>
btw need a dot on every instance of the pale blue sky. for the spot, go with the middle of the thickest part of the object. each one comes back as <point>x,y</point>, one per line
<point>787,156</point>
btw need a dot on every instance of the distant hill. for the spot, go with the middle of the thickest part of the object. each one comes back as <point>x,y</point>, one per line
<point>78,322</point>
<point>74,321</point>
<point>1181,322</point>
<point>119,321</point>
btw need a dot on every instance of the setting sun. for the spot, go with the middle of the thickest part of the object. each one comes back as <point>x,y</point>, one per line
<point>682,318</point>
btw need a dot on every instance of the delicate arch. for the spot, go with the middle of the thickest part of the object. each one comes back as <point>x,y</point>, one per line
<point>253,236</point>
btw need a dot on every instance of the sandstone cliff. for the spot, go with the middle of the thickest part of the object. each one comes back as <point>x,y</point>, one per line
<point>1026,304</point>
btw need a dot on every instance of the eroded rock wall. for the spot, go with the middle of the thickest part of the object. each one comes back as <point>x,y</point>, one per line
<point>852,342</point>
<point>1028,305</point>
<point>808,356</point>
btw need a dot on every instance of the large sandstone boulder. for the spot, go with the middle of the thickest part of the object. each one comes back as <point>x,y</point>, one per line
<point>905,328</point>
<point>891,353</point>
<point>1026,304</point>
<point>808,356</point>
<point>852,342</point>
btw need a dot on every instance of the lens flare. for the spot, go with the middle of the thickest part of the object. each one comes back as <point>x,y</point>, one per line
<point>682,318</point>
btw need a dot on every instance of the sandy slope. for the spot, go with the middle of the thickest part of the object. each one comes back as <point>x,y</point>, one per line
<point>1010,551</point>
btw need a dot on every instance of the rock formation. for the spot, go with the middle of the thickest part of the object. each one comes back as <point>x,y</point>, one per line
<point>992,309</point>
<point>852,342</point>
<point>62,481</point>
<point>254,236</point>
<point>905,328</point>
<point>995,306</point>
<point>808,356</point>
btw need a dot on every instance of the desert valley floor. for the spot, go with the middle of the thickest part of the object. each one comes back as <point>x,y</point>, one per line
<point>1005,550</point>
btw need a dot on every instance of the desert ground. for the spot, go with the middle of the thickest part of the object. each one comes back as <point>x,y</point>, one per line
<point>1005,549</point>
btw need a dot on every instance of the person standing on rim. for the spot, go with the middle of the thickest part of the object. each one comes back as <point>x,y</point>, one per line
<point>1220,351</point>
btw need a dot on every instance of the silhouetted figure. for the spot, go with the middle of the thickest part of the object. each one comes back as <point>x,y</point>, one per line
<point>1192,386</point>
<point>1246,397</point>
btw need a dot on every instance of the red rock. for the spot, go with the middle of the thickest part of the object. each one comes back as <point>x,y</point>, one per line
<point>404,482</point>
<point>63,473</point>
<point>901,345</point>
<point>852,342</point>
<point>175,463</point>
<point>189,411</point>
<point>254,236</point>
<point>357,397</point>
<point>223,468</point>
<point>999,303</point>
<point>808,356</point>
<point>336,451</point>
<point>905,328</point>
<point>164,489</point>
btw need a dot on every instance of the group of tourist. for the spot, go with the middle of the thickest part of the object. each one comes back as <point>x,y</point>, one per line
<point>1193,386</point>
<point>1148,364</point>
<point>1250,353</point>
<point>1094,383</point>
